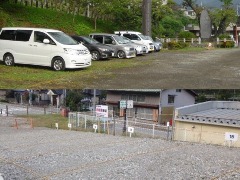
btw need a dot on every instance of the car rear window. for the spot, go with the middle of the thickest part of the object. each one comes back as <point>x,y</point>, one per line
<point>8,35</point>
<point>16,35</point>
<point>23,35</point>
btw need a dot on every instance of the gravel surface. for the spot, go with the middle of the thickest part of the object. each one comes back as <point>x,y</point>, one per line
<point>218,68</point>
<point>42,153</point>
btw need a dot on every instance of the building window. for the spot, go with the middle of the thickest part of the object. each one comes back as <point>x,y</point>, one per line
<point>135,98</point>
<point>171,99</point>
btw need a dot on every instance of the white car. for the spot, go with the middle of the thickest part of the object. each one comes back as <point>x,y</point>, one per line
<point>43,47</point>
<point>137,37</point>
<point>139,48</point>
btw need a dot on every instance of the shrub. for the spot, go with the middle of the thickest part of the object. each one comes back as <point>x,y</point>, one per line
<point>186,34</point>
<point>227,44</point>
<point>222,36</point>
<point>177,45</point>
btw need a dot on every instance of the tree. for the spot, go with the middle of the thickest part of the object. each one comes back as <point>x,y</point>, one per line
<point>73,99</point>
<point>222,18</point>
<point>195,7</point>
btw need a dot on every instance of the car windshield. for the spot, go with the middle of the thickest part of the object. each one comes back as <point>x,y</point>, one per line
<point>63,38</point>
<point>143,37</point>
<point>126,40</point>
<point>120,40</point>
<point>149,38</point>
<point>90,40</point>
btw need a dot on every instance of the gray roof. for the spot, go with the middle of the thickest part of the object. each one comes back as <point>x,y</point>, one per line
<point>213,112</point>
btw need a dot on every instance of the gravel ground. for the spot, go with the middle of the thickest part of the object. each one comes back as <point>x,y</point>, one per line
<point>218,68</point>
<point>42,153</point>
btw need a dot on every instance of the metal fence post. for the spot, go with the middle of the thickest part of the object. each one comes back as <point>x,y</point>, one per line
<point>85,121</point>
<point>153,130</point>
<point>114,127</point>
<point>167,132</point>
<point>7,110</point>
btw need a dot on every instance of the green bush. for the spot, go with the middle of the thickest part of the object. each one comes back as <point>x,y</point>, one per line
<point>177,45</point>
<point>227,44</point>
<point>186,34</point>
<point>223,36</point>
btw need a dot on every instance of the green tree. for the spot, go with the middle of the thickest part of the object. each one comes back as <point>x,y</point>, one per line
<point>73,99</point>
<point>195,7</point>
<point>172,26</point>
<point>222,18</point>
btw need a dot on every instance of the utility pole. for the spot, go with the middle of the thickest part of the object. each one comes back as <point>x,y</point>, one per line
<point>147,17</point>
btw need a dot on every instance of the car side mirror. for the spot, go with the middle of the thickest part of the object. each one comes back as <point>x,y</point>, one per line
<point>113,42</point>
<point>46,41</point>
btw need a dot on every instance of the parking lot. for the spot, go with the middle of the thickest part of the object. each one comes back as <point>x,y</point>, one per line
<point>42,153</point>
<point>218,69</point>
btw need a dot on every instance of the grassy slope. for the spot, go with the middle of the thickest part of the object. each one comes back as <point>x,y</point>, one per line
<point>22,76</point>
<point>18,15</point>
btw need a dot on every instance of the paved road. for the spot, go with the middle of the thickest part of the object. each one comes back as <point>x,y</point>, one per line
<point>218,68</point>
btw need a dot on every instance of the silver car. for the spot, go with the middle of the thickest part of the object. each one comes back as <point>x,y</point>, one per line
<point>139,48</point>
<point>121,49</point>
<point>157,44</point>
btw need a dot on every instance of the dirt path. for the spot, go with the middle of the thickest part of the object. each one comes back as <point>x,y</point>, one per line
<point>194,70</point>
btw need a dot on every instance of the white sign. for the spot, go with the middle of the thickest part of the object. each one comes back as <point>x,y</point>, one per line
<point>102,110</point>
<point>167,124</point>
<point>231,136</point>
<point>69,125</point>
<point>94,126</point>
<point>130,129</point>
<point>130,104</point>
<point>123,104</point>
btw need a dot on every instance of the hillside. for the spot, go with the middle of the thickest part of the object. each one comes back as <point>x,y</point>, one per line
<point>22,16</point>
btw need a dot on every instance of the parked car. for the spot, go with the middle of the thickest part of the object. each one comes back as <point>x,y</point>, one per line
<point>121,49</point>
<point>139,48</point>
<point>43,47</point>
<point>137,37</point>
<point>157,44</point>
<point>97,50</point>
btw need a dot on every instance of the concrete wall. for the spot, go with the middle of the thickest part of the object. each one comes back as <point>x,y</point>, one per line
<point>204,133</point>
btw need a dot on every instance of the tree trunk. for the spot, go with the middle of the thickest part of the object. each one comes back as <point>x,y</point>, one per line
<point>37,3</point>
<point>95,23</point>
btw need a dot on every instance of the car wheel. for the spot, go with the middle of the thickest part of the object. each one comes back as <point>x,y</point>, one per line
<point>95,55</point>
<point>58,64</point>
<point>121,54</point>
<point>155,49</point>
<point>8,59</point>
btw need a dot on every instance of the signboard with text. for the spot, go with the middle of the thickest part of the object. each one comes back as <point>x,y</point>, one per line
<point>231,136</point>
<point>102,110</point>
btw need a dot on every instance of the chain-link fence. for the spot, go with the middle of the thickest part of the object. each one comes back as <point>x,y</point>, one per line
<point>118,126</point>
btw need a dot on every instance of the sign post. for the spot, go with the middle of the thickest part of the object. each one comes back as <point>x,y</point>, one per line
<point>125,104</point>
<point>130,130</point>
<point>95,126</point>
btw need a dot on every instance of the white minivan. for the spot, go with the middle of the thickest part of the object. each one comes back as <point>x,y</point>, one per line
<point>44,47</point>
